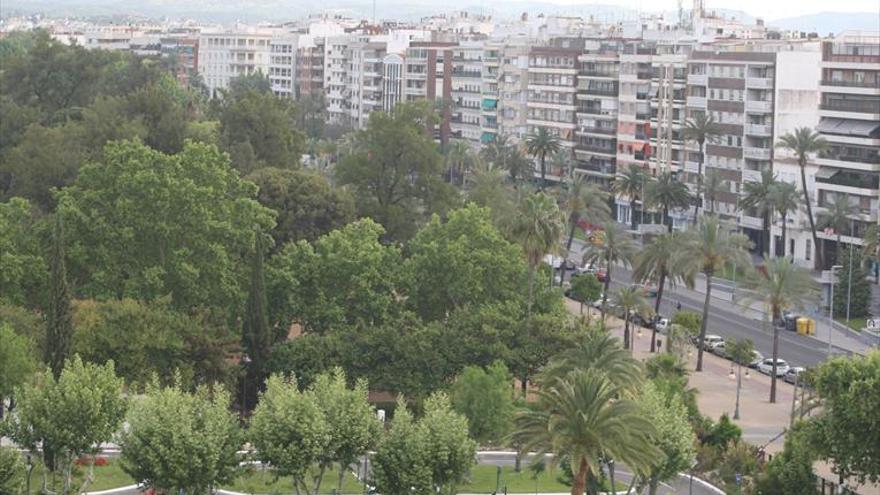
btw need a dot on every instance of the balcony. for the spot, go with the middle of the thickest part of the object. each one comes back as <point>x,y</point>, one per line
<point>696,101</point>
<point>467,73</point>
<point>868,106</point>
<point>756,153</point>
<point>598,130</point>
<point>759,106</point>
<point>852,84</point>
<point>751,175</point>
<point>758,130</point>
<point>601,92</point>
<point>595,73</point>
<point>759,82</point>
<point>692,167</point>
<point>596,149</point>
<point>698,79</point>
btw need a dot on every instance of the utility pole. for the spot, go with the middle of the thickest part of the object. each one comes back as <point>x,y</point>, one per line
<point>831,307</point>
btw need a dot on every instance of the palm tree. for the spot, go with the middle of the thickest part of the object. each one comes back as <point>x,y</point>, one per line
<point>583,200</point>
<point>654,263</point>
<point>871,248</point>
<point>614,246</point>
<point>713,185</point>
<point>584,419</point>
<point>540,145</point>
<point>803,142</point>
<point>837,216</point>
<point>701,129</point>
<point>630,183</point>
<point>756,195</point>
<point>669,194</point>
<point>780,285</point>
<point>707,249</point>
<point>786,200</point>
<point>459,159</point>
<point>538,227</point>
<point>497,152</point>
<point>596,349</point>
<point>631,301</point>
<point>562,161</point>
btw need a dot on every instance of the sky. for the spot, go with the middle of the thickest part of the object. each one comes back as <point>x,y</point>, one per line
<point>767,9</point>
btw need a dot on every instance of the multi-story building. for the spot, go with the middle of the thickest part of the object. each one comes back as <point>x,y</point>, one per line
<point>466,91</point>
<point>597,106</point>
<point>337,90</point>
<point>309,67</point>
<point>849,170</point>
<point>282,65</point>
<point>366,80</point>
<point>223,56</point>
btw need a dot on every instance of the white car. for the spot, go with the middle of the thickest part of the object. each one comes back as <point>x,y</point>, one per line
<point>757,358</point>
<point>766,367</point>
<point>661,324</point>
<point>711,341</point>
<point>719,350</point>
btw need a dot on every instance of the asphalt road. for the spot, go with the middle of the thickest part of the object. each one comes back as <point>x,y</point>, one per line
<point>732,322</point>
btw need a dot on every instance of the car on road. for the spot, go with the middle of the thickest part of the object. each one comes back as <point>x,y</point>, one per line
<point>791,376</point>
<point>660,323</point>
<point>766,367</point>
<point>757,357</point>
<point>720,351</point>
<point>710,341</point>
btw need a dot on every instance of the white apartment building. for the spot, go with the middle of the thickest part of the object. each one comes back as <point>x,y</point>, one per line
<point>223,56</point>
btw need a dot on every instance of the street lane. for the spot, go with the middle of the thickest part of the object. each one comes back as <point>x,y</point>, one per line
<point>729,322</point>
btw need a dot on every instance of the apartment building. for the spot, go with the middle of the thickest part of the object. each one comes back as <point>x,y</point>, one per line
<point>466,91</point>
<point>309,67</point>
<point>428,76</point>
<point>849,170</point>
<point>513,89</point>
<point>366,80</point>
<point>337,88</point>
<point>282,65</point>
<point>223,56</point>
<point>597,108</point>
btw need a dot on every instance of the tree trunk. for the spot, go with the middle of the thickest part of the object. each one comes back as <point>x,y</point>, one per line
<point>660,285</point>
<point>543,172</point>
<point>605,290</point>
<point>632,213</point>
<point>765,234</point>
<point>580,478</point>
<point>704,322</point>
<point>626,329</point>
<point>342,477</point>
<point>611,477</point>
<point>667,219</point>
<point>775,354</point>
<point>819,261</point>
<point>531,289</point>
<point>568,243</point>
<point>784,232</point>
<point>700,181</point>
<point>524,383</point>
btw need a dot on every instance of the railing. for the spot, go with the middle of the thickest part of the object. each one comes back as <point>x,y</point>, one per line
<point>598,130</point>
<point>698,79</point>
<point>759,82</point>
<point>696,101</point>
<point>758,106</point>
<point>601,92</point>
<point>756,153</point>
<point>852,106</point>
<point>751,175</point>
<point>852,84</point>
<point>466,73</point>
<point>596,149</point>
<point>758,129</point>
<point>595,73</point>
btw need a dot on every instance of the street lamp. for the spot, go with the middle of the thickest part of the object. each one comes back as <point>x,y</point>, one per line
<point>831,305</point>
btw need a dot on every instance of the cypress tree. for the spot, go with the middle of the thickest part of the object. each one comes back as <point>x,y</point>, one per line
<point>860,297</point>
<point>257,339</point>
<point>59,330</point>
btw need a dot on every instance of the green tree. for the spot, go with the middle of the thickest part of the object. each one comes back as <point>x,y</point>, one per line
<point>177,441</point>
<point>757,197</point>
<point>59,326</point>
<point>723,433</point>
<point>23,271</point>
<point>535,341</point>
<point>538,228</point>
<point>630,183</point>
<point>584,418</point>
<point>654,263</point>
<point>615,246</point>
<point>462,261</point>
<point>352,424</point>
<point>256,82</point>
<point>264,124</point>
<point>707,249</point>
<point>485,398</point>
<point>700,129</point>
<point>460,160</point>
<point>12,471</point>
<point>449,452</point>
<point>257,339</point>
<point>159,107</point>
<point>871,248</point>
<point>585,288</point>
<point>348,276</point>
<point>855,290</point>
<point>399,464</point>
<point>802,143</point>
<point>288,430</point>
<point>67,418</point>
<point>17,362</point>
<point>145,225</point>
<point>846,433</point>
<point>785,200</point>
<point>582,201</point>
<point>151,339</point>
<point>838,217</point>
<point>790,472</point>
<point>690,320</point>
<point>595,350</point>
<point>713,185</point>
<point>669,194</point>
<point>307,205</point>
<point>631,302</point>
<point>539,145</point>
<point>781,285</point>
<point>396,171</point>
<point>674,437</point>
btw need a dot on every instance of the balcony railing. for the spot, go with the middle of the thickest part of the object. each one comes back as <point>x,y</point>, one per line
<point>698,79</point>
<point>759,82</point>
<point>601,92</point>
<point>758,106</point>
<point>598,130</point>
<point>852,106</point>
<point>596,149</point>
<point>751,175</point>
<point>756,153</point>
<point>852,84</point>
<point>758,129</point>
<point>696,101</point>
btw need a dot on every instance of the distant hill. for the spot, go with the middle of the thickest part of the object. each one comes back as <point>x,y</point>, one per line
<point>826,23</point>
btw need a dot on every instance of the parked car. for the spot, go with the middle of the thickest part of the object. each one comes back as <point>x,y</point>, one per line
<point>587,268</point>
<point>766,367</point>
<point>757,357</point>
<point>720,351</point>
<point>791,376</point>
<point>660,323</point>
<point>711,341</point>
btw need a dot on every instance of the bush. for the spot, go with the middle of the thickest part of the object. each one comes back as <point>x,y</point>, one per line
<point>722,433</point>
<point>690,320</point>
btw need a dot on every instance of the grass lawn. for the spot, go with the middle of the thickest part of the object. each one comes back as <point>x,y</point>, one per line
<point>106,477</point>
<point>857,324</point>
<point>483,478</point>
<point>264,481</point>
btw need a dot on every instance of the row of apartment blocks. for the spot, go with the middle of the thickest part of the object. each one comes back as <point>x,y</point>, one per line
<point>613,102</point>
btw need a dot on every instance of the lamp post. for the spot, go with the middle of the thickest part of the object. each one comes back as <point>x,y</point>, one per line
<point>849,277</point>
<point>246,360</point>
<point>831,306</point>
